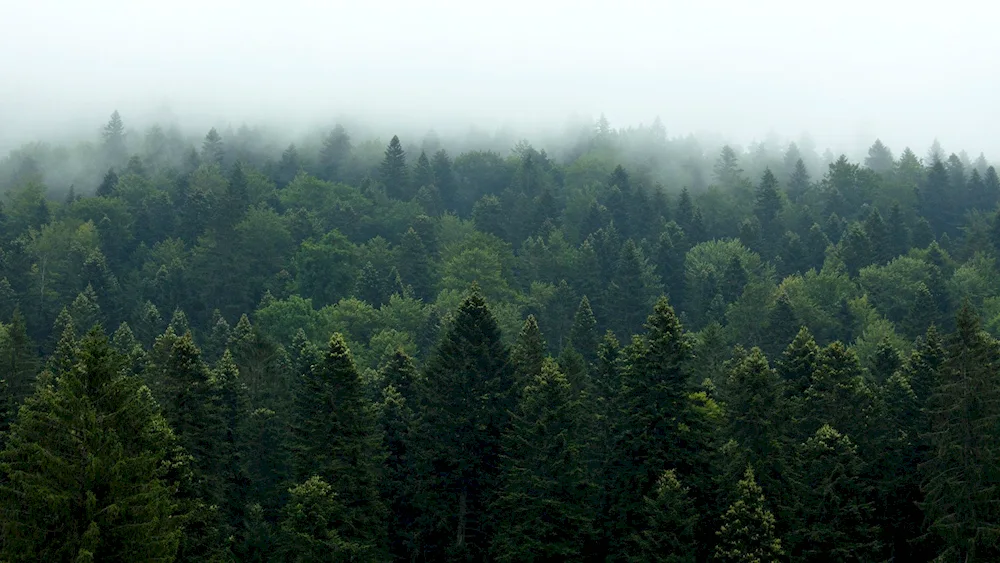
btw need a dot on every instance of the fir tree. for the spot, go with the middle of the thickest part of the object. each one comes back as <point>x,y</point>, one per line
<point>414,265</point>
<point>86,469</point>
<point>465,398</point>
<point>546,496</point>
<point>747,534</point>
<point>961,474</point>
<point>528,353</point>
<point>393,172</point>
<point>335,437</point>
<point>583,334</point>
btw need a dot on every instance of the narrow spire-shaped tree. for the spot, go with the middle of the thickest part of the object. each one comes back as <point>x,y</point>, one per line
<point>546,496</point>
<point>747,534</point>
<point>336,437</point>
<point>528,353</point>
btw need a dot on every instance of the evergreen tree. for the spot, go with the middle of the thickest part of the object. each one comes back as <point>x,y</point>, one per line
<point>667,532</point>
<point>393,172</point>
<point>961,475</point>
<point>87,469</point>
<point>833,517</point>
<point>879,158</point>
<point>335,436</point>
<point>113,135</point>
<point>899,234</point>
<point>528,353</point>
<point>414,265</point>
<point>107,185</point>
<point>212,150</point>
<point>546,496</point>
<point>727,169</point>
<point>583,334</point>
<point>444,178</point>
<point>767,208</point>
<point>334,153</point>
<point>423,173</point>
<point>465,397</point>
<point>747,534</point>
<point>798,362</point>
<point>19,367</point>
<point>399,377</point>
<point>311,526</point>
<point>799,181</point>
<point>633,290</point>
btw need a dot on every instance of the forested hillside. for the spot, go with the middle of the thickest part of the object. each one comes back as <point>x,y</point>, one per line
<point>625,349</point>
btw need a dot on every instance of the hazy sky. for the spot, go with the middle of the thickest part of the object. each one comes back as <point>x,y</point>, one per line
<point>846,71</point>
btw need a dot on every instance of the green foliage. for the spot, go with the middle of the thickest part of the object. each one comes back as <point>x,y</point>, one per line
<point>747,534</point>
<point>89,468</point>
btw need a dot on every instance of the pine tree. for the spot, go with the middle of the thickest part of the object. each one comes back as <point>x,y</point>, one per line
<point>211,148</point>
<point>465,397</point>
<point>837,394</point>
<point>833,517</point>
<point>767,208</point>
<point>747,534</point>
<point>583,334</point>
<point>393,172</point>
<point>423,174</point>
<point>667,532</point>
<point>727,169</point>
<point>335,436</point>
<point>414,265</point>
<point>962,473</point>
<point>782,326</point>
<point>191,406</point>
<point>444,178</point>
<point>657,427</point>
<point>86,469</point>
<point>311,526</point>
<point>528,353</point>
<point>633,291</point>
<point>879,158</point>
<point>399,377</point>
<point>19,365</point>
<point>113,135</point>
<point>108,184</point>
<point>334,153</point>
<point>546,499</point>
<point>798,362</point>
<point>799,181</point>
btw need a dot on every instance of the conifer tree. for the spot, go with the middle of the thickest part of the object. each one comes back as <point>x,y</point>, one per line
<point>423,174</point>
<point>113,135</point>
<point>311,526</point>
<point>396,412</point>
<point>528,353</point>
<point>335,436</point>
<point>546,499</point>
<point>87,468</point>
<point>108,183</point>
<point>444,178</point>
<point>465,397</point>
<point>334,153</point>
<point>667,534</point>
<point>393,172</point>
<point>798,362</point>
<point>583,333</point>
<point>414,265</point>
<point>832,513</point>
<point>962,472</point>
<point>799,181</point>
<point>211,148</point>
<point>748,534</point>
<point>19,367</point>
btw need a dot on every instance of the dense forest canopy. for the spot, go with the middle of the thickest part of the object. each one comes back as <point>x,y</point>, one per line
<point>622,347</point>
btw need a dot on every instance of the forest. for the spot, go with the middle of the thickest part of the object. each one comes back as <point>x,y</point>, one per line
<point>630,348</point>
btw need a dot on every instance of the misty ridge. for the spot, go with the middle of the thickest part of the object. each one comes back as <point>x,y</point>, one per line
<point>79,160</point>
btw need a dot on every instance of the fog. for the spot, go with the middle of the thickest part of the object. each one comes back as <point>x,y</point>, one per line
<point>846,72</point>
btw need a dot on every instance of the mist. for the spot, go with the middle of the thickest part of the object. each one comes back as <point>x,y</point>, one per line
<point>846,73</point>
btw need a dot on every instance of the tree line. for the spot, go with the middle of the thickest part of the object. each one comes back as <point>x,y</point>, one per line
<point>217,354</point>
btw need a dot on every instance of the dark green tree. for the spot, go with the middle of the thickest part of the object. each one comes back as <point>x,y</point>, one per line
<point>747,534</point>
<point>415,265</point>
<point>88,467</point>
<point>335,436</point>
<point>528,353</point>
<point>465,398</point>
<point>393,172</point>
<point>583,334</point>
<point>546,499</point>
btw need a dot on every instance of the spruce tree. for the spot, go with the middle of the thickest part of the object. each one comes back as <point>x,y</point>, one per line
<point>583,334</point>
<point>335,436</point>
<point>415,266</point>
<point>546,498</point>
<point>393,172</point>
<point>747,534</point>
<point>88,468</point>
<point>311,526</point>
<point>667,533</point>
<point>962,472</point>
<point>832,514</point>
<point>528,353</point>
<point>396,415</point>
<point>798,362</point>
<point>465,398</point>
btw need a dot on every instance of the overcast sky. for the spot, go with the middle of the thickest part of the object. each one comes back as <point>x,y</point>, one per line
<point>846,71</point>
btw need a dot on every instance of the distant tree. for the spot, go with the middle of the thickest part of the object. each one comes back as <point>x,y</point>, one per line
<point>393,171</point>
<point>113,135</point>
<point>727,168</point>
<point>212,150</point>
<point>879,158</point>
<point>107,186</point>
<point>334,153</point>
